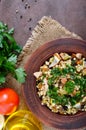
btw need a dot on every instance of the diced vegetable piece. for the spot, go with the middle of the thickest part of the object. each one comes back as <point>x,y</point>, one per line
<point>84,71</point>
<point>65,56</point>
<point>37,74</point>
<point>78,55</point>
<point>55,61</point>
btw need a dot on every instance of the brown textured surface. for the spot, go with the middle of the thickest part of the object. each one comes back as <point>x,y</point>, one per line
<point>70,13</point>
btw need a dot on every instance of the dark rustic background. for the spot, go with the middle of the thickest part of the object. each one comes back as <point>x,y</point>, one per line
<point>23,15</point>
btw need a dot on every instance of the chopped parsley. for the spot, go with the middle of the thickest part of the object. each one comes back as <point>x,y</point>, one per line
<point>69,86</point>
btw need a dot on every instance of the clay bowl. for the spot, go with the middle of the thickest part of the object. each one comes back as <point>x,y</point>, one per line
<point>30,92</point>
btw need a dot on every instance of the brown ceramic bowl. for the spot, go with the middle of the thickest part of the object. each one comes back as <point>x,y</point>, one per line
<point>44,52</point>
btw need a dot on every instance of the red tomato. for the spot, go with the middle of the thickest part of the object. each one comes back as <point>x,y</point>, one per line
<point>9,101</point>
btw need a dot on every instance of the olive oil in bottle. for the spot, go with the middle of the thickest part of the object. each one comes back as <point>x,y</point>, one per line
<point>22,120</point>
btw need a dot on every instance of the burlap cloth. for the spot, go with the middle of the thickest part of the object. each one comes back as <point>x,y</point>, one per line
<point>46,30</point>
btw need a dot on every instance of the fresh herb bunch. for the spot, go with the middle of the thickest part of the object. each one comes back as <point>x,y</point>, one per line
<point>9,51</point>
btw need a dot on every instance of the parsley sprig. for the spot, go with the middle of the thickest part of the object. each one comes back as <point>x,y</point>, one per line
<point>9,51</point>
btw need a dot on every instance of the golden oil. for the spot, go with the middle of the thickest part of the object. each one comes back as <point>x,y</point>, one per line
<point>22,120</point>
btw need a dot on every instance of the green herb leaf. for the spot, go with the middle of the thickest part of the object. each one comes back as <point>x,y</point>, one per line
<point>2,79</point>
<point>51,80</point>
<point>9,67</point>
<point>13,59</point>
<point>1,39</point>
<point>62,100</point>
<point>20,75</point>
<point>56,72</point>
<point>68,69</point>
<point>9,51</point>
<point>73,101</point>
<point>11,31</point>
<point>69,86</point>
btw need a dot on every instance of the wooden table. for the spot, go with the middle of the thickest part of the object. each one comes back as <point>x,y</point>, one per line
<point>23,15</point>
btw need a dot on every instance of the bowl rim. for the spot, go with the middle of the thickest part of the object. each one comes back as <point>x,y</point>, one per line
<point>44,119</point>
